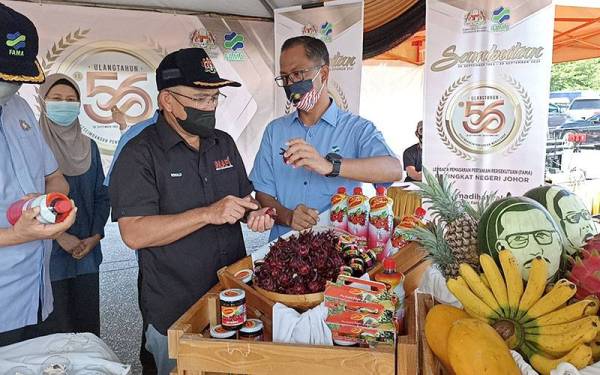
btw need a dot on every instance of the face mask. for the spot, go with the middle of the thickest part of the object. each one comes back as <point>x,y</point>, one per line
<point>62,113</point>
<point>198,122</point>
<point>304,94</point>
<point>7,91</point>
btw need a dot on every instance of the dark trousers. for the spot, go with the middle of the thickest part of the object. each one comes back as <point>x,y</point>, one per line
<point>146,358</point>
<point>76,306</point>
<point>20,334</point>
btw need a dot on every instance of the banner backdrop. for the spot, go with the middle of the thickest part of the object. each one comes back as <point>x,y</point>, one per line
<point>340,25</point>
<point>487,83</point>
<point>112,55</point>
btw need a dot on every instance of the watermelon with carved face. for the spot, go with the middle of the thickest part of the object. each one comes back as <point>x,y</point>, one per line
<point>570,212</point>
<point>524,227</point>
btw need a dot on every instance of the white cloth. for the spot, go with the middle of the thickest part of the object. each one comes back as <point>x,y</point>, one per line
<point>434,283</point>
<point>291,327</point>
<point>81,354</point>
<point>591,370</point>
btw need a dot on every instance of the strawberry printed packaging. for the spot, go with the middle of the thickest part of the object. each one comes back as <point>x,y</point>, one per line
<point>338,216</point>
<point>358,214</point>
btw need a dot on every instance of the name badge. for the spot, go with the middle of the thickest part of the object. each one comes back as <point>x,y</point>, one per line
<point>223,164</point>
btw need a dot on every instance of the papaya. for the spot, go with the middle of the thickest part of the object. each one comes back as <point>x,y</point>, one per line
<point>437,328</point>
<point>475,348</point>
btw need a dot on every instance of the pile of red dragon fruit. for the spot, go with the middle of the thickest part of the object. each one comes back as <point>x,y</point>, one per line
<point>301,264</point>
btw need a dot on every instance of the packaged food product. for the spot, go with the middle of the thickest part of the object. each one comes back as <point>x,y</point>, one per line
<point>381,219</point>
<point>338,216</point>
<point>233,309</point>
<point>358,215</point>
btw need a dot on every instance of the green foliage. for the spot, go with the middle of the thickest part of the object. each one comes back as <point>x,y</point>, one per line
<point>576,75</point>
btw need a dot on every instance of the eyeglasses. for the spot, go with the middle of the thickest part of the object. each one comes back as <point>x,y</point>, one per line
<point>575,217</point>
<point>204,100</point>
<point>293,77</point>
<point>521,240</point>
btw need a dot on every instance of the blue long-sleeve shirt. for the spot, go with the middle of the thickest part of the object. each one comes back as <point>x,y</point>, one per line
<point>91,198</point>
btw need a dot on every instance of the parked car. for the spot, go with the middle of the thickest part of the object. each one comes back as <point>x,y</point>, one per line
<point>556,116</point>
<point>590,128</point>
<point>583,108</point>
<point>564,98</point>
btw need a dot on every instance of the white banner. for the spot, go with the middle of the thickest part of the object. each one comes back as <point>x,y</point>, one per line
<point>487,83</point>
<point>113,54</point>
<point>340,25</point>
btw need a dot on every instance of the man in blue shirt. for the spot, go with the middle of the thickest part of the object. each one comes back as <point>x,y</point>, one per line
<point>27,168</point>
<point>325,147</point>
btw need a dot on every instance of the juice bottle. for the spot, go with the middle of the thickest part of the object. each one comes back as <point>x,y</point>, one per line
<point>54,208</point>
<point>381,219</point>
<point>395,282</point>
<point>397,240</point>
<point>338,216</point>
<point>358,213</point>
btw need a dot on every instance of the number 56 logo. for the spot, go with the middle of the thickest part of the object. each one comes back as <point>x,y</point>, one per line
<point>126,97</point>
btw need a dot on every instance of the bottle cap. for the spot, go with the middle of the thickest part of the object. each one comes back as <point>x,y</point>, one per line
<point>389,264</point>
<point>380,190</point>
<point>62,207</point>
<point>358,190</point>
<point>341,190</point>
<point>252,326</point>
<point>420,212</point>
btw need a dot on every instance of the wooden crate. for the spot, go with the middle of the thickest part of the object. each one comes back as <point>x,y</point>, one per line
<point>197,354</point>
<point>429,363</point>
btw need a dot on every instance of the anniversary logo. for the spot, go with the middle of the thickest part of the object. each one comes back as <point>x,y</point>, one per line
<point>116,81</point>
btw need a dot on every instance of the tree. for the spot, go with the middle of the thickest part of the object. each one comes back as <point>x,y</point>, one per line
<point>576,75</point>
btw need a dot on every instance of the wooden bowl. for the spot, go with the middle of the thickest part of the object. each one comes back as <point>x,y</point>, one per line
<point>300,302</point>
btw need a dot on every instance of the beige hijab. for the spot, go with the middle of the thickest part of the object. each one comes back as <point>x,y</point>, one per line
<point>71,148</point>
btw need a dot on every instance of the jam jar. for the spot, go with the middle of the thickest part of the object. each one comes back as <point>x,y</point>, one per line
<point>233,309</point>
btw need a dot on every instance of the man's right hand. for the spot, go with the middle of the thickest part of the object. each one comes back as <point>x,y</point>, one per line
<point>28,228</point>
<point>69,243</point>
<point>230,210</point>
<point>304,217</point>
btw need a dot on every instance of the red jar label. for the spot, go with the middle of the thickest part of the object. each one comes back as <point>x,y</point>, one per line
<point>233,316</point>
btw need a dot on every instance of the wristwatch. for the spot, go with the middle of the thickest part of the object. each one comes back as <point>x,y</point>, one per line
<point>336,160</point>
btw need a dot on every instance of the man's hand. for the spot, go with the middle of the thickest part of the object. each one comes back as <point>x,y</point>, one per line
<point>69,242</point>
<point>304,217</point>
<point>260,220</point>
<point>302,155</point>
<point>229,210</point>
<point>88,244</point>
<point>30,196</point>
<point>28,228</point>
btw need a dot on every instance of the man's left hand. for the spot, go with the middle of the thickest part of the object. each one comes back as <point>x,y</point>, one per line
<point>260,221</point>
<point>302,155</point>
<point>88,245</point>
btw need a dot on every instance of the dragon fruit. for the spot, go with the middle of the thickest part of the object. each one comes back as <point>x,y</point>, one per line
<point>586,270</point>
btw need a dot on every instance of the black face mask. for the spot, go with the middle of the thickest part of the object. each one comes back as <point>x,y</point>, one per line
<point>198,122</point>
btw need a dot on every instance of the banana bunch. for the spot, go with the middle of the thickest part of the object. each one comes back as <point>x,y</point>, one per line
<point>540,325</point>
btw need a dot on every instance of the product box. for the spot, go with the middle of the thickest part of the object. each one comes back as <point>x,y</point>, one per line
<point>366,335</point>
<point>361,291</point>
<point>352,318</point>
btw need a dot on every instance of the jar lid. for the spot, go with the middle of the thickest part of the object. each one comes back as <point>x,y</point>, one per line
<point>245,275</point>
<point>218,332</point>
<point>232,295</point>
<point>252,326</point>
<point>342,342</point>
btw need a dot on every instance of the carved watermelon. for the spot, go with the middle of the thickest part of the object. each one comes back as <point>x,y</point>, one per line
<point>525,227</point>
<point>569,211</point>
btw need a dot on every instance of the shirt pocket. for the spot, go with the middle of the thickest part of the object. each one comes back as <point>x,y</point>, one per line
<point>227,182</point>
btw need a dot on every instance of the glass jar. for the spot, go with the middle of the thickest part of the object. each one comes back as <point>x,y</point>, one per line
<point>244,276</point>
<point>233,309</point>
<point>252,330</point>
<point>218,332</point>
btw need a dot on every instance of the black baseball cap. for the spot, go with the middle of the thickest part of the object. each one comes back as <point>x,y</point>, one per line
<point>190,67</point>
<point>18,48</point>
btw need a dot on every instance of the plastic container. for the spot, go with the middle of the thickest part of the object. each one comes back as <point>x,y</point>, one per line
<point>397,240</point>
<point>233,309</point>
<point>394,281</point>
<point>218,332</point>
<point>381,219</point>
<point>54,208</point>
<point>252,330</point>
<point>245,276</point>
<point>338,216</point>
<point>358,216</point>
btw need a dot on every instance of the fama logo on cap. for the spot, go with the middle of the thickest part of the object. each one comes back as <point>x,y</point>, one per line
<point>16,44</point>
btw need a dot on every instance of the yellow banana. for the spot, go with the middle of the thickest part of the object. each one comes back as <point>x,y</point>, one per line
<point>536,284</point>
<point>480,290</point>
<point>469,300</point>
<point>514,281</point>
<point>594,309</point>
<point>595,345</point>
<point>561,293</point>
<point>484,280</point>
<point>495,279</point>
<point>585,323</point>
<point>564,315</point>
<point>474,315</point>
<point>558,345</point>
<point>579,357</point>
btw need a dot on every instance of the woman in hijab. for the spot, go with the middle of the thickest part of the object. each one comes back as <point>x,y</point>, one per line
<point>76,255</point>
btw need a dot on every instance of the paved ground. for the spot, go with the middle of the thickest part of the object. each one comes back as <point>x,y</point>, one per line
<point>120,318</point>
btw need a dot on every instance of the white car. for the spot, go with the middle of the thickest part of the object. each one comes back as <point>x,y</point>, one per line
<point>582,108</point>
